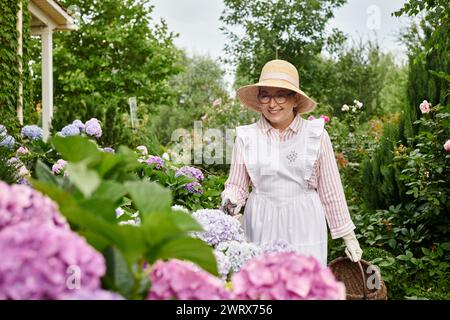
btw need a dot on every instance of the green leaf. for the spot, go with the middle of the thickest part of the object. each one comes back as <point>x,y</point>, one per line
<point>110,190</point>
<point>86,180</point>
<point>44,173</point>
<point>445,246</point>
<point>118,275</point>
<point>186,248</point>
<point>76,148</point>
<point>149,197</point>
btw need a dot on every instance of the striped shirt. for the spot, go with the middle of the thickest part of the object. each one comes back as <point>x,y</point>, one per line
<point>325,177</point>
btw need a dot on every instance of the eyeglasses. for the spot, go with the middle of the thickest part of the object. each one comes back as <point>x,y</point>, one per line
<point>280,98</point>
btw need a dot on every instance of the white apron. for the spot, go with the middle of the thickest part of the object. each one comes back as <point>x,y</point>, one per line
<point>281,206</point>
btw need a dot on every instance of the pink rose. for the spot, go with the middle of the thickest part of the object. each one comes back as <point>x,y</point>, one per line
<point>424,106</point>
<point>327,119</point>
<point>447,145</point>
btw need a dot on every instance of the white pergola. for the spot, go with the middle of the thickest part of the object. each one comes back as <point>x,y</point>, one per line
<point>47,16</point>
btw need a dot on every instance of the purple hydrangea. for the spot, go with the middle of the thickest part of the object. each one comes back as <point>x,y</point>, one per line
<point>79,125</point>
<point>157,161</point>
<point>97,294</point>
<point>194,187</point>
<point>238,253</point>
<point>59,166</point>
<point>277,246</point>
<point>92,128</point>
<point>20,203</point>
<point>190,172</point>
<point>286,276</point>
<point>70,130</point>
<point>41,261</point>
<point>109,150</point>
<point>32,132</point>
<point>7,141</point>
<point>218,227</point>
<point>182,280</point>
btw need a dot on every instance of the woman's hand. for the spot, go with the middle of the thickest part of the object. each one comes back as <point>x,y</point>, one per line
<point>352,248</point>
<point>229,205</point>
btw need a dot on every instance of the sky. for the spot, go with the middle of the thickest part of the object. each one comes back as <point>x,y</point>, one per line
<point>197,22</point>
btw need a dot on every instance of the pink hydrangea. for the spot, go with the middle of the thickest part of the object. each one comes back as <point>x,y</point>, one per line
<point>41,261</point>
<point>286,276</point>
<point>424,106</point>
<point>20,203</point>
<point>182,280</point>
<point>59,166</point>
<point>22,151</point>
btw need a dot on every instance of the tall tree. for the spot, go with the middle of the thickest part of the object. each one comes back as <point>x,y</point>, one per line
<point>293,30</point>
<point>118,52</point>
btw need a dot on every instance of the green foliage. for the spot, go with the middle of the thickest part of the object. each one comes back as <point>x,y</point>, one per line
<point>97,184</point>
<point>118,52</point>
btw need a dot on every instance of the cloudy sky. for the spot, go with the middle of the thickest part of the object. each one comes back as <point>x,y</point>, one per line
<point>197,22</point>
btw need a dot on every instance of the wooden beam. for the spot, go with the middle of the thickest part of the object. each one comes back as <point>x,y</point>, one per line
<point>47,81</point>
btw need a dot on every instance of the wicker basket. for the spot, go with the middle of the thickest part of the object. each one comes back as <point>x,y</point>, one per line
<point>354,277</point>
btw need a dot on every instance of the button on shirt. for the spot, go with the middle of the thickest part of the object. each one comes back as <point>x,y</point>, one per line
<point>325,178</point>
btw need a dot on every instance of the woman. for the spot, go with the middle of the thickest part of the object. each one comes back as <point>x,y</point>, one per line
<point>289,163</point>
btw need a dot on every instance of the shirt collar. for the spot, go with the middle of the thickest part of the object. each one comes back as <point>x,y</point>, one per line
<point>265,125</point>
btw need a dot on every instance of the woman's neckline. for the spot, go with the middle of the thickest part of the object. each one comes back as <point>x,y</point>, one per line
<point>301,128</point>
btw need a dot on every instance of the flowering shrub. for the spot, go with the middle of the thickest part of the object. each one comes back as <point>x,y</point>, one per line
<point>277,246</point>
<point>93,128</point>
<point>21,203</point>
<point>238,253</point>
<point>286,276</point>
<point>37,258</point>
<point>218,226</point>
<point>177,279</point>
<point>59,166</point>
<point>156,161</point>
<point>32,132</point>
<point>190,172</point>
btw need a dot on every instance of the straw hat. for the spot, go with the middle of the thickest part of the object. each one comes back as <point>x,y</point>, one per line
<point>280,74</point>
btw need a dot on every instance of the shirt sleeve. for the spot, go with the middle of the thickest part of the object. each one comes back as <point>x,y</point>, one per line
<point>331,191</point>
<point>238,180</point>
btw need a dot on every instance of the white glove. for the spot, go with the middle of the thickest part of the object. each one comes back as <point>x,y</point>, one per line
<point>352,250</point>
<point>230,205</point>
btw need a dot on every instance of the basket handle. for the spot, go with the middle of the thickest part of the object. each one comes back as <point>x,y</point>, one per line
<point>362,276</point>
<point>363,279</point>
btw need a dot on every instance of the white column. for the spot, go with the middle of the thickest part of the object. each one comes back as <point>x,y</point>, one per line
<point>20,54</point>
<point>47,81</point>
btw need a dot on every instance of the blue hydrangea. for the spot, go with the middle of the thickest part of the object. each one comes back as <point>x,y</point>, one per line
<point>79,125</point>
<point>238,253</point>
<point>92,128</point>
<point>218,227</point>
<point>190,172</point>
<point>3,131</point>
<point>7,141</point>
<point>32,132</point>
<point>70,130</point>
<point>277,246</point>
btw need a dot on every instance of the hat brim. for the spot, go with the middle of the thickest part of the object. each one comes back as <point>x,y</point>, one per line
<point>248,95</point>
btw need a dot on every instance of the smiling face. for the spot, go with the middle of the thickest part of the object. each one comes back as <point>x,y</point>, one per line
<point>280,115</point>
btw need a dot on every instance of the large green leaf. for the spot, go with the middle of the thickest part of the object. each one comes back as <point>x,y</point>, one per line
<point>186,248</point>
<point>76,148</point>
<point>86,180</point>
<point>129,240</point>
<point>118,275</point>
<point>110,190</point>
<point>166,225</point>
<point>149,197</point>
